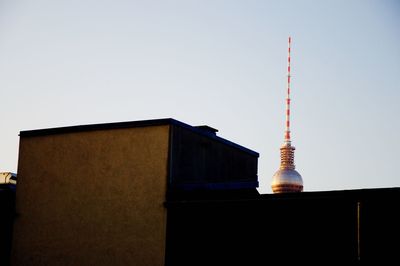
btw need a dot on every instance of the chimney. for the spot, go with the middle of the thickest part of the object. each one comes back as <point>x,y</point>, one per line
<point>208,130</point>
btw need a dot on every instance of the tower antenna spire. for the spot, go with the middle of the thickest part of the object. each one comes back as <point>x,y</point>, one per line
<point>287,179</point>
<point>287,129</point>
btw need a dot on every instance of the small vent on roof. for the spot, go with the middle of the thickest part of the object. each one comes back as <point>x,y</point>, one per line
<point>8,178</point>
<point>208,130</point>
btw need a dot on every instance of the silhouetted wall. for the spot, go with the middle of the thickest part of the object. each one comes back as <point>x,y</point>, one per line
<point>205,161</point>
<point>380,227</point>
<point>7,211</point>
<point>342,227</point>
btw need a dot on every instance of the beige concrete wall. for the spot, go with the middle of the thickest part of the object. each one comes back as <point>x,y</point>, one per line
<point>92,198</point>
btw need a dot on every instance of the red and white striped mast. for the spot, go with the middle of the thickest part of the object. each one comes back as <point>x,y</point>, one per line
<point>287,130</point>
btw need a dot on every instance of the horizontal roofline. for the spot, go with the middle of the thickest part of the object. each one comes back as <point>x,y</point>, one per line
<point>351,195</point>
<point>334,193</point>
<point>95,127</point>
<point>129,124</point>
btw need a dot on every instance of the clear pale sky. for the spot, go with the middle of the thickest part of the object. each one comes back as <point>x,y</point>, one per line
<point>220,63</point>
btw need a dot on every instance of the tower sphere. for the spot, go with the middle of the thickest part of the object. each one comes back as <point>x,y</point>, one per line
<point>287,180</point>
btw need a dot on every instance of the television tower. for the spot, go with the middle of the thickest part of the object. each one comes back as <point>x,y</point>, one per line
<point>287,179</point>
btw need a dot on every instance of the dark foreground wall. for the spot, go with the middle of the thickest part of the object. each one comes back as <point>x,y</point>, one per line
<point>342,227</point>
<point>7,211</point>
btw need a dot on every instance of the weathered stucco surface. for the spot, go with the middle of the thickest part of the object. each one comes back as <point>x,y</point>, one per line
<point>92,198</point>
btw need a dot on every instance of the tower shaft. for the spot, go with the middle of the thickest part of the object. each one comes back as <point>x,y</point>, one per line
<point>287,157</point>
<point>287,130</point>
<point>287,150</point>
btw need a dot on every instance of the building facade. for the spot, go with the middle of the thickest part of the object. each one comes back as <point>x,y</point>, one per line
<point>95,194</point>
<point>161,192</point>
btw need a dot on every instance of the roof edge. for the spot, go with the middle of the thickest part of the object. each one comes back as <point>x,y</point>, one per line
<point>94,127</point>
<point>129,124</point>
